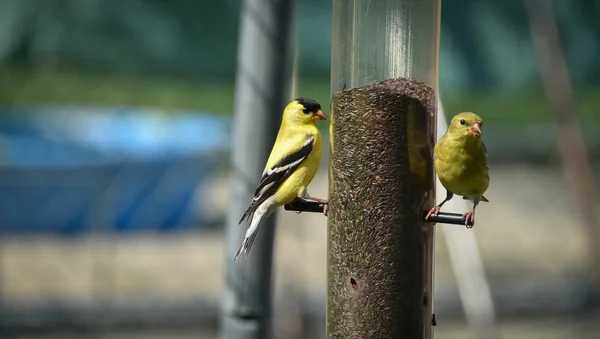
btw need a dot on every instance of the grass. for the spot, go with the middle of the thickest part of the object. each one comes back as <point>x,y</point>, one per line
<point>523,108</point>
<point>26,87</point>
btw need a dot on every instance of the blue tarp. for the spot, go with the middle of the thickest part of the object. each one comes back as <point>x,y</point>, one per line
<point>72,170</point>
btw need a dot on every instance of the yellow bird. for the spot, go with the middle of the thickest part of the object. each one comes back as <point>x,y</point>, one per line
<point>293,163</point>
<point>461,162</point>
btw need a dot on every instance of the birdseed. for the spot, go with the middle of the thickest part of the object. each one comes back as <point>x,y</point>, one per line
<point>381,178</point>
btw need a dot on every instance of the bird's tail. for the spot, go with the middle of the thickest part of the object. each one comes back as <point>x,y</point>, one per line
<point>250,234</point>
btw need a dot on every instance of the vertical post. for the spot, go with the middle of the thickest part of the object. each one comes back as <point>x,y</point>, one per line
<point>571,143</point>
<point>383,115</point>
<point>260,97</point>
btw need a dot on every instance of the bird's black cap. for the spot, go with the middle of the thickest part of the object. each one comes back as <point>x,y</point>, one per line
<point>310,105</point>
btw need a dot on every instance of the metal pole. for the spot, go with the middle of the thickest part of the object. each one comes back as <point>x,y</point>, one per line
<point>384,88</point>
<point>260,97</point>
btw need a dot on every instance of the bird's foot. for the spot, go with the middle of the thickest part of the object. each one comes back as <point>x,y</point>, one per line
<point>325,203</point>
<point>434,211</point>
<point>322,201</point>
<point>469,216</point>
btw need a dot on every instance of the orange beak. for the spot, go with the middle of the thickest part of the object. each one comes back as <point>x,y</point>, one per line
<point>319,115</point>
<point>475,130</point>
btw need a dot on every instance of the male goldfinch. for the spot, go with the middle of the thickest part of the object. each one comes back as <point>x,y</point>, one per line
<point>293,163</point>
<point>461,162</point>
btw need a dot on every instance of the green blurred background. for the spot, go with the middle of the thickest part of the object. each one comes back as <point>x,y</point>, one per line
<point>182,55</point>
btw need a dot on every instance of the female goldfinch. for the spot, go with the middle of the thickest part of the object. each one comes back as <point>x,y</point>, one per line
<point>293,163</point>
<point>461,162</point>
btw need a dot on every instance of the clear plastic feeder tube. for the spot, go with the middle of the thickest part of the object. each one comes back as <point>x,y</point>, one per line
<point>374,40</point>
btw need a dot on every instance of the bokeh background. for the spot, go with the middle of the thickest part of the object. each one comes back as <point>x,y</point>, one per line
<point>115,133</point>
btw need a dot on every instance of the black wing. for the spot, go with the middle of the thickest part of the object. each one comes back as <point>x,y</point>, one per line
<point>276,175</point>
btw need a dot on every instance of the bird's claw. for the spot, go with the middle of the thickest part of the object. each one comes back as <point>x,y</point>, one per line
<point>469,216</point>
<point>325,203</point>
<point>434,211</point>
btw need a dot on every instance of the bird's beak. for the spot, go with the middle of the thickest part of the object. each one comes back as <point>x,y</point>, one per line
<point>475,130</point>
<point>319,115</point>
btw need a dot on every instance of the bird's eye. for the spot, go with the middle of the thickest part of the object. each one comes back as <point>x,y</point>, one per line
<point>462,121</point>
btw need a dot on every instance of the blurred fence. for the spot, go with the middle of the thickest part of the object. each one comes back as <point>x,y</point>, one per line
<point>73,178</point>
